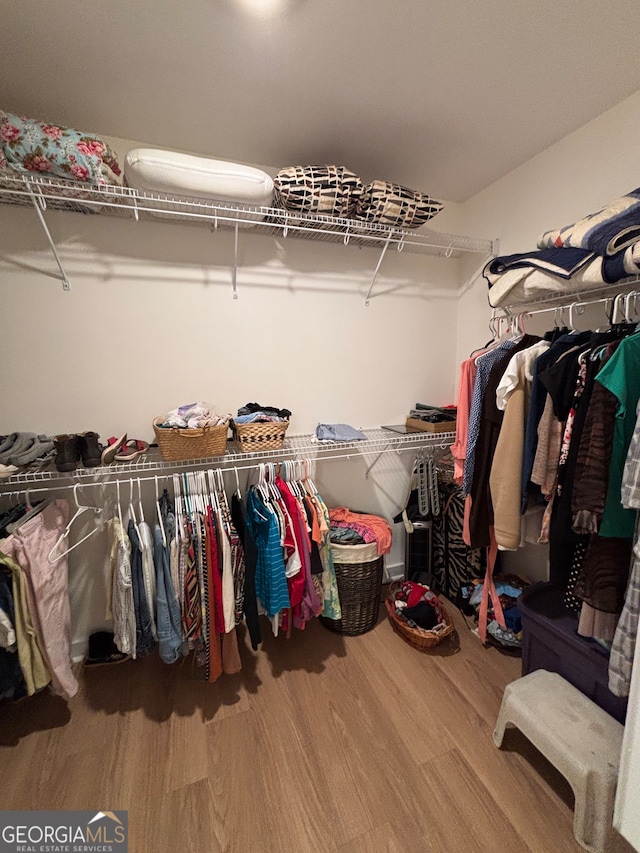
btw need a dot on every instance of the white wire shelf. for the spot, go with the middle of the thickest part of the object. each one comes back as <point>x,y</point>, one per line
<point>378,441</point>
<point>130,203</point>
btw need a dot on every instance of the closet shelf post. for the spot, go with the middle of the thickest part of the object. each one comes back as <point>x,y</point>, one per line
<point>235,262</point>
<point>63,276</point>
<point>375,272</point>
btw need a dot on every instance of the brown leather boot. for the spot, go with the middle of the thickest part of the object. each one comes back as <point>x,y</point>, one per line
<point>67,452</point>
<point>90,449</point>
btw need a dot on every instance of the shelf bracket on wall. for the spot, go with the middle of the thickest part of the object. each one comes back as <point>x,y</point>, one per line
<point>377,459</point>
<point>235,262</point>
<point>39,205</point>
<point>375,272</point>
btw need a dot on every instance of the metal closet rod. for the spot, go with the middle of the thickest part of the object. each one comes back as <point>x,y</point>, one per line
<point>24,487</point>
<point>511,312</point>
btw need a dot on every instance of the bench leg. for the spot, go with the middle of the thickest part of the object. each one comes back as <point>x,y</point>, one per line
<point>504,720</point>
<point>593,811</point>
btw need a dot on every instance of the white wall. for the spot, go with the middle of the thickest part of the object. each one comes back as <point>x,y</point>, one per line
<point>150,323</point>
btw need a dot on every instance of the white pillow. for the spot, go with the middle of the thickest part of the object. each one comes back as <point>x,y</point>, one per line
<point>197,178</point>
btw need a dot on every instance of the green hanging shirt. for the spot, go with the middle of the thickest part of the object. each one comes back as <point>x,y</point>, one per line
<point>621,376</point>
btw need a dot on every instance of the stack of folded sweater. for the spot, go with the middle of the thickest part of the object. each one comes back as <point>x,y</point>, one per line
<point>24,449</point>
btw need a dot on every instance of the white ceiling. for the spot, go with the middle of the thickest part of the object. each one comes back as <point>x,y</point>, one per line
<point>444,96</point>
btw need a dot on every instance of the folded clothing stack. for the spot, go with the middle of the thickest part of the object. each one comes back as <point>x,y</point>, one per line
<point>255,413</point>
<point>371,528</point>
<point>599,249</point>
<point>194,416</point>
<point>331,433</point>
<point>433,414</point>
<point>21,449</point>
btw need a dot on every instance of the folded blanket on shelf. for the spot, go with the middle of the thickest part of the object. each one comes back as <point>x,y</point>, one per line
<point>607,231</point>
<point>521,284</point>
<point>561,262</point>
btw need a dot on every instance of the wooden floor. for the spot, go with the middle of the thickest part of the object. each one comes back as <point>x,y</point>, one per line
<point>322,743</point>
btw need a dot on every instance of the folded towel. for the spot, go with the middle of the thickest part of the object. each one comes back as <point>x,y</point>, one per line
<point>338,432</point>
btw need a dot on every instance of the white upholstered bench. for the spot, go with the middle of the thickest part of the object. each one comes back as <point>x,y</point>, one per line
<point>581,740</point>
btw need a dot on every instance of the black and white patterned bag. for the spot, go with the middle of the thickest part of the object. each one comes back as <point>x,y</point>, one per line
<point>327,190</point>
<point>395,205</point>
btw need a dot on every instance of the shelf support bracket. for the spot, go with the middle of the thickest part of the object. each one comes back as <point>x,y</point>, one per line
<point>235,263</point>
<point>38,208</point>
<point>375,272</point>
<point>377,459</point>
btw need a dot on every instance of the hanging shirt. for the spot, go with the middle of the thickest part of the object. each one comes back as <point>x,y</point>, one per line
<point>238,512</point>
<point>122,607</point>
<point>621,375</point>
<point>148,572</point>
<point>537,402</point>
<point>484,365</point>
<point>270,579</point>
<point>625,638</point>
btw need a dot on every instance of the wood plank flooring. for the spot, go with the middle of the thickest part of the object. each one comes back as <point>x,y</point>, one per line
<point>321,743</point>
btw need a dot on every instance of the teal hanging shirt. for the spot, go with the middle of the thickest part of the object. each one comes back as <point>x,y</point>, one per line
<point>621,376</point>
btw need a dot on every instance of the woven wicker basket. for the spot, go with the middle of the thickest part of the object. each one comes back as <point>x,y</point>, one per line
<point>420,638</point>
<point>359,575</point>
<point>258,436</point>
<point>180,444</point>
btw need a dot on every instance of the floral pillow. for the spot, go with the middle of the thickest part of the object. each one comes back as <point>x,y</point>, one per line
<point>31,146</point>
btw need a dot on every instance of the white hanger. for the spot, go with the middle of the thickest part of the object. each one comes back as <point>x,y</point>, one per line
<point>211,490</point>
<point>119,506</point>
<point>186,496</point>
<point>222,493</point>
<point>159,514</point>
<point>614,314</point>
<point>32,511</point>
<point>307,465</point>
<point>140,508</point>
<point>291,479</point>
<point>177,505</point>
<point>579,309</point>
<point>272,482</point>
<point>262,487</point>
<point>132,512</point>
<point>53,556</point>
<point>238,492</point>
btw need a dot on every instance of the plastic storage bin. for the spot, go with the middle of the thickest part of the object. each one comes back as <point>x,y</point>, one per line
<point>550,641</point>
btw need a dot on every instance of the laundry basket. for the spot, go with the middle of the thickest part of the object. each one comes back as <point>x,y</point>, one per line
<point>258,436</point>
<point>358,571</point>
<point>178,445</point>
